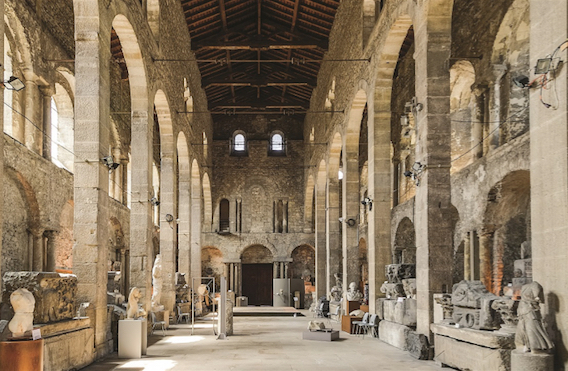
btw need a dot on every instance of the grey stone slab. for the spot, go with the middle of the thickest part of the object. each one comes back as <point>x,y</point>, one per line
<point>320,335</point>
<point>394,334</point>
<point>467,356</point>
<point>489,339</point>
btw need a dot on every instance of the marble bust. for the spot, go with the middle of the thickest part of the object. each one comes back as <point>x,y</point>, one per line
<point>23,303</point>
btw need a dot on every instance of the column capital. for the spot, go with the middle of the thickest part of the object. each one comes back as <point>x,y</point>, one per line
<point>499,70</point>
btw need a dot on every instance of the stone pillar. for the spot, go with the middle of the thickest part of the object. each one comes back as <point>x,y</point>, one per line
<point>38,252</point>
<point>123,168</point>
<point>195,235</point>
<point>499,71</point>
<point>238,279</point>
<point>433,208</point>
<point>47,93</point>
<point>51,250</point>
<point>320,234</point>
<point>350,210</point>
<point>285,216</point>
<point>1,141</point>
<point>485,260</point>
<point>549,174</point>
<point>184,224</point>
<point>282,270</point>
<point>333,236</point>
<point>33,111</point>
<point>379,165</point>
<point>118,181</point>
<point>168,233</point>
<point>286,270</point>
<point>90,228</point>
<point>466,257</point>
<point>478,122</point>
<point>275,270</point>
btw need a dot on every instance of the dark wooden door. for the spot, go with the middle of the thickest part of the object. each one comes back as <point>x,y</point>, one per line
<point>257,283</point>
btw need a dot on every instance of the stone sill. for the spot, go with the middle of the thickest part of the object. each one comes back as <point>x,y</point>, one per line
<point>57,328</point>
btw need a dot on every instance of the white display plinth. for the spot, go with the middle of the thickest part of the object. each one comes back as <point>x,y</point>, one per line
<point>144,337</point>
<point>130,338</point>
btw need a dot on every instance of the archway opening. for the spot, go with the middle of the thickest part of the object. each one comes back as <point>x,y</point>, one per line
<point>257,274</point>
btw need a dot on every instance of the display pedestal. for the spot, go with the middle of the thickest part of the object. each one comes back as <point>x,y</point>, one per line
<point>352,305</point>
<point>130,338</point>
<point>347,323</point>
<point>24,355</point>
<point>521,361</point>
<point>144,337</point>
<point>321,335</point>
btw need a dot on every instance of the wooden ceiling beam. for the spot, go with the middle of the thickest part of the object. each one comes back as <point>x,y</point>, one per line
<point>257,82</point>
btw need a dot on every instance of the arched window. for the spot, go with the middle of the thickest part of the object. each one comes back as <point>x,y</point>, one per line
<point>239,144</point>
<point>277,145</point>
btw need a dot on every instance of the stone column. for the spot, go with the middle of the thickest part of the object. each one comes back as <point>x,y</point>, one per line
<point>350,210</point>
<point>433,208</point>
<point>333,236</point>
<point>33,111</point>
<point>275,270</point>
<point>1,141</point>
<point>320,234</point>
<point>549,172</point>
<point>38,252</point>
<point>478,122</point>
<point>168,233</point>
<point>466,257</point>
<point>118,182</point>
<point>499,71</point>
<point>90,228</point>
<point>195,235</point>
<point>238,279</point>
<point>47,93</point>
<point>485,253</point>
<point>184,224</point>
<point>379,218</point>
<point>51,250</point>
<point>123,168</point>
<point>285,216</point>
<point>282,275</point>
<point>286,270</point>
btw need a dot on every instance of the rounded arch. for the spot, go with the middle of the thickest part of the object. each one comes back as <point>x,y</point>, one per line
<point>62,128</point>
<point>309,204</point>
<point>134,61</point>
<point>354,121</point>
<point>303,263</point>
<point>462,78</point>
<point>258,254</point>
<point>162,109</point>
<point>207,202</point>
<point>212,264</point>
<point>404,249</point>
<point>335,155</point>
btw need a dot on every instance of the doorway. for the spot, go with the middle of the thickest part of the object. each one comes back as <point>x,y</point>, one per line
<point>257,283</point>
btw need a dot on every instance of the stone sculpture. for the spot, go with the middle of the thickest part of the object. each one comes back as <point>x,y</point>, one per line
<point>182,289</point>
<point>337,290</point>
<point>393,290</point>
<point>409,286</point>
<point>353,294</point>
<point>445,300</point>
<point>54,293</point>
<point>472,306</point>
<point>531,334</point>
<point>23,303</point>
<point>132,309</point>
<point>157,284</point>
<point>507,308</point>
<point>315,325</point>
<point>395,273</point>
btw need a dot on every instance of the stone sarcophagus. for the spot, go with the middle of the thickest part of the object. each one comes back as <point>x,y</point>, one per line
<point>54,294</point>
<point>472,306</point>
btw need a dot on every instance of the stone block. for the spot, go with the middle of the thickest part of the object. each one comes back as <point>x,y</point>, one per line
<point>418,346</point>
<point>320,335</point>
<point>69,351</point>
<point>54,294</point>
<point>401,311</point>
<point>523,268</point>
<point>394,334</point>
<point>521,361</point>
<point>467,356</point>
<point>487,339</point>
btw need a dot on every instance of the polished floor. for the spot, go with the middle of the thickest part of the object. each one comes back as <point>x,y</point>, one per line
<point>264,344</point>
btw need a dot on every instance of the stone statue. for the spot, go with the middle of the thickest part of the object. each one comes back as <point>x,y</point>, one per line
<point>132,310</point>
<point>353,294</point>
<point>526,250</point>
<point>23,303</point>
<point>530,330</point>
<point>337,290</point>
<point>157,283</point>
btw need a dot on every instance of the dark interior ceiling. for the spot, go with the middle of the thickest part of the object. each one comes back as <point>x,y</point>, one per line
<point>259,55</point>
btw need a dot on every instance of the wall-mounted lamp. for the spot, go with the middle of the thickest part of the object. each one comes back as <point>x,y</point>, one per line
<point>154,201</point>
<point>413,106</point>
<point>416,173</point>
<point>350,222</point>
<point>109,162</point>
<point>367,202</point>
<point>13,83</point>
<point>169,218</point>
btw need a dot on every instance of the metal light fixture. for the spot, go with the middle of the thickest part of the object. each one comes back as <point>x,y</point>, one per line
<point>14,83</point>
<point>416,173</point>
<point>521,81</point>
<point>154,201</point>
<point>169,218</point>
<point>367,202</point>
<point>109,162</point>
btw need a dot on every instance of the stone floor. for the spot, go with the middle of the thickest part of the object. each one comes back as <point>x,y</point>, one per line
<point>264,344</point>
